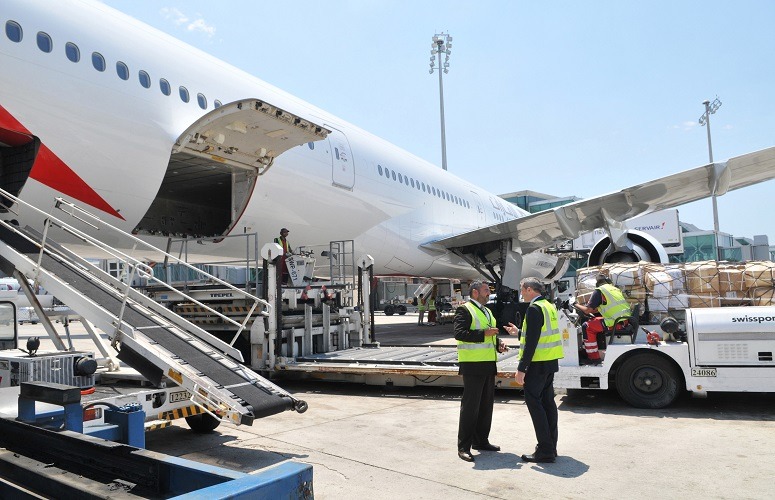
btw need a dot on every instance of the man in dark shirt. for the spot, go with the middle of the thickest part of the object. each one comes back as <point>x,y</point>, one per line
<point>478,347</point>
<point>540,347</point>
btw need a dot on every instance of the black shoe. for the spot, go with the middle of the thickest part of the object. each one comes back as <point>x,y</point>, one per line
<point>487,447</point>
<point>541,459</point>
<point>465,455</point>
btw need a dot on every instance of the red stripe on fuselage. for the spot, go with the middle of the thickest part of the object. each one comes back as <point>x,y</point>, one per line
<point>48,169</point>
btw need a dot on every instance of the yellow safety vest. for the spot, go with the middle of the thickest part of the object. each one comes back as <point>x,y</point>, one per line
<point>615,304</point>
<point>473,352</point>
<point>432,305</point>
<point>420,304</point>
<point>285,244</point>
<point>550,342</point>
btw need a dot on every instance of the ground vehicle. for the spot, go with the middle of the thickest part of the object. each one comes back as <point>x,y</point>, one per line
<point>718,349</point>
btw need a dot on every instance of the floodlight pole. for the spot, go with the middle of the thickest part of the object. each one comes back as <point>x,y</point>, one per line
<point>441,44</point>
<point>710,108</point>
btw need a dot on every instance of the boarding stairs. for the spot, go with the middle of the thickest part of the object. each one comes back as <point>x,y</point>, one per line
<point>153,340</point>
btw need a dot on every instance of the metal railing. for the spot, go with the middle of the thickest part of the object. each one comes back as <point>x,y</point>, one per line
<point>134,265</point>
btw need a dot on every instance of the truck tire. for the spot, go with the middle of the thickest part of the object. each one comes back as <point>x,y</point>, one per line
<point>202,423</point>
<point>401,310</point>
<point>389,310</point>
<point>648,381</point>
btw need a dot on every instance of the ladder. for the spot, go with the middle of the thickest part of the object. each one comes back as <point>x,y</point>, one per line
<point>155,341</point>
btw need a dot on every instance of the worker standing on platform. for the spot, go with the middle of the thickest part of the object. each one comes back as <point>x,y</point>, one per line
<point>282,240</point>
<point>609,301</point>
<point>477,352</point>
<point>421,309</point>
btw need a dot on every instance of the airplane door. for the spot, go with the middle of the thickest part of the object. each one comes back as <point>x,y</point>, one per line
<point>481,218</point>
<point>343,167</point>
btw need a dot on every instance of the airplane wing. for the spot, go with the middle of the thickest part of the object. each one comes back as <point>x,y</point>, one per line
<point>546,228</point>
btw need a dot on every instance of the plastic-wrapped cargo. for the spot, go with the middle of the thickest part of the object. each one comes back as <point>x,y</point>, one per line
<point>763,296</point>
<point>625,274</point>
<point>759,274</point>
<point>671,288</point>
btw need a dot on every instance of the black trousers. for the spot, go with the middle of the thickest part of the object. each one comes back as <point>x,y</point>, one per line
<point>539,397</point>
<point>476,410</point>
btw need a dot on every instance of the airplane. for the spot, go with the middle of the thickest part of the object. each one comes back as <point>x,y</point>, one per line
<point>165,141</point>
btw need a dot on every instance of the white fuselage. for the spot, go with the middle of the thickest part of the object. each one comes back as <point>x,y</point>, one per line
<point>117,136</point>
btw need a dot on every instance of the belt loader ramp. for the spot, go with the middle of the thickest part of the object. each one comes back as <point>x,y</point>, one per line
<point>155,341</point>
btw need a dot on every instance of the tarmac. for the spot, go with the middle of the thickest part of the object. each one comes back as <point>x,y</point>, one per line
<point>375,442</point>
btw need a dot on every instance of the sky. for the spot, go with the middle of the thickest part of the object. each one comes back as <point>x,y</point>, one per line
<point>566,98</point>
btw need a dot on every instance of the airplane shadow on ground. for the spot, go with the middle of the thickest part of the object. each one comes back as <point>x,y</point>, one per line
<point>564,466</point>
<point>211,449</point>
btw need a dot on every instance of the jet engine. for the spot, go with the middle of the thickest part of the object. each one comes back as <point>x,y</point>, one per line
<point>633,246</point>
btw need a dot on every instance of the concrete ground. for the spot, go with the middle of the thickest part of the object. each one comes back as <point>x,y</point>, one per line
<point>371,442</point>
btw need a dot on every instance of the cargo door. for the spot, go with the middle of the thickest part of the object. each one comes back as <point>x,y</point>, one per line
<point>343,167</point>
<point>215,165</point>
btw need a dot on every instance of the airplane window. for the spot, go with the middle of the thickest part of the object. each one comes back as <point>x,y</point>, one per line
<point>433,189</point>
<point>145,79</point>
<point>412,181</point>
<point>122,71</point>
<point>164,85</point>
<point>400,179</point>
<point>44,42</point>
<point>183,93</point>
<point>336,152</point>
<point>98,61</point>
<point>202,100</point>
<point>423,187</point>
<point>393,173</point>
<point>417,185</point>
<point>312,146</point>
<point>72,52</point>
<point>379,168</point>
<point>217,103</point>
<point>13,31</point>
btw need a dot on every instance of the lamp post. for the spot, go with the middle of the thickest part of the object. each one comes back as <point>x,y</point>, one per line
<point>441,44</point>
<point>711,108</point>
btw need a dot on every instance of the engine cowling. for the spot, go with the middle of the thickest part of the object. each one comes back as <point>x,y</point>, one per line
<point>638,246</point>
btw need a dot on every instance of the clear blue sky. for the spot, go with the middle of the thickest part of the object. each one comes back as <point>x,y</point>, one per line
<point>566,98</point>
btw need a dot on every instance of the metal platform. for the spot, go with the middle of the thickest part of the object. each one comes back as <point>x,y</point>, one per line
<point>404,365</point>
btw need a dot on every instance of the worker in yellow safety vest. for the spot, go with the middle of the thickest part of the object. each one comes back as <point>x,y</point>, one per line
<point>477,351</point>
<point>432,309</point>
<point>540,346</point>
<point>421,308</point>
<point>609,301</point>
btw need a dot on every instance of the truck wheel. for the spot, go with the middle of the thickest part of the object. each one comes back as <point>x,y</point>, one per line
<point>401,310</point>
<point>648,381</point>
<point>202,423</point>
<point>389,310</point>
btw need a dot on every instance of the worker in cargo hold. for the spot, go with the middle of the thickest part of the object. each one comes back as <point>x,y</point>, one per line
<point>477,352</point>
<point>282,240</point>
<point>609,302</point>
<point>540,348</point>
